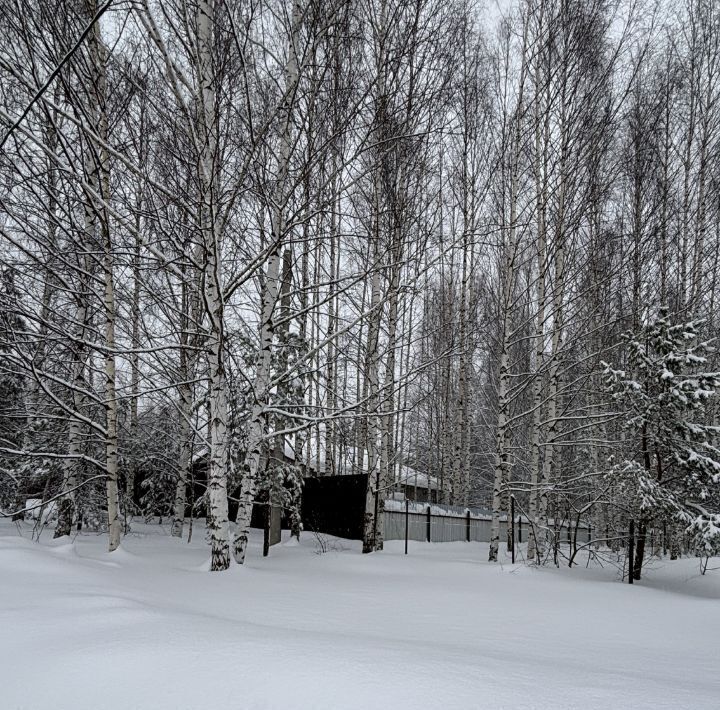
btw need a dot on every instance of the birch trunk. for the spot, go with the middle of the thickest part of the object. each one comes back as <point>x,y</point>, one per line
<point>542,130</point>
<point>699,265</point>
<point>331,365</point>
<point>558,297</point>
<point>217,518</point>
<point>461,463</point>
<point>388,402</point>
<point>548,468</point>
<point>261,385</point>
<point>134,362</point>
<point>111,413</point>
<point>258,418</point>
<point>184,459</point>
<point>67,506</point>
<point>34,393</point>
<point>501,454</point>
<point>373,521</point>
<point>189,318</point>
<point>98,61</point>
<point>372,524</point>
<point>502,460</point>
<point>687,179</point>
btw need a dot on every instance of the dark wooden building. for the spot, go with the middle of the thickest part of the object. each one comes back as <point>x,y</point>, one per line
<point>335,505</point>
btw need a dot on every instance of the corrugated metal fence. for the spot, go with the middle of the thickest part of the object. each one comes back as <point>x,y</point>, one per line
<point>447,523</point>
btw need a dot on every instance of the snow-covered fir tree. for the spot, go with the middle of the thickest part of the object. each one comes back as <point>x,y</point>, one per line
<point>670,469</point>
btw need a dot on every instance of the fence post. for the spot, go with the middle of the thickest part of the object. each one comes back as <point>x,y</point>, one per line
<point>407,522</point>
<point>467,526</point>
<point>512,526</point>
<point>631,551</point>
<point>266,531</point>
<point>520,529</point>
<point>427,532</point>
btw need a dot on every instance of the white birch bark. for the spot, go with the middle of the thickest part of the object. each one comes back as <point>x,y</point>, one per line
<point>372,522</point>
<point>542,129</point>
<point>331,364</point>
<point>188,359</point>
<point>502,458</point>
<point>134,372</point>
<point>217,518</point>
<point>372,525</point>
<point>558,297</point>
<point>461,457</point>
<point>135,317</point>
<point>261,385</point>
<point>99,63</point>
<point>184,460</point>
<point>66,506</point>
<point>388,402</point>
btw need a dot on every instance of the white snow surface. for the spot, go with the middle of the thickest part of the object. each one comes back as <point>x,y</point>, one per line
<point>148,627</point>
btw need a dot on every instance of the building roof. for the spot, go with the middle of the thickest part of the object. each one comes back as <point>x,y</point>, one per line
<point>411,477</point>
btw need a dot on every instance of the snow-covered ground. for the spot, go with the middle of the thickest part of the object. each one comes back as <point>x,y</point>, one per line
<point>147,627</point>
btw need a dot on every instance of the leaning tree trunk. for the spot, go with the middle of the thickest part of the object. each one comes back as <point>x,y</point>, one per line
<point>258,417</point>
<point>261,385</point>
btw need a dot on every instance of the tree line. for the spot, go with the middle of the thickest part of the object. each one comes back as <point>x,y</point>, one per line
<point>371,233</point>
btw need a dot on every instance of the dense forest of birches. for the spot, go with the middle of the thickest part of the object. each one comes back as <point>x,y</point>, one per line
<point>482,243</point>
